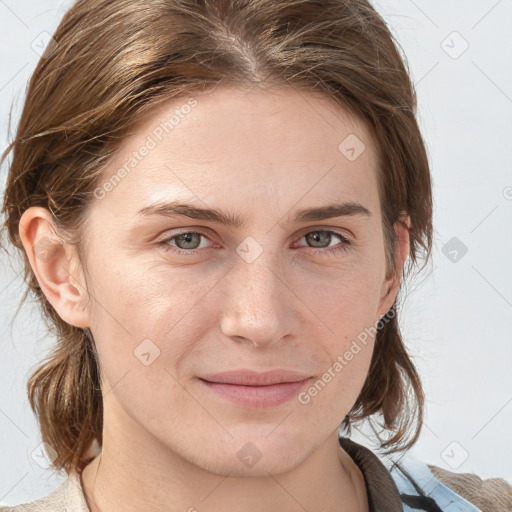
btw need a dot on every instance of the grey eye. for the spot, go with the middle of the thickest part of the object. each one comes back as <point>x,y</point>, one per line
<point>187,240</point>
<point>319,237</point>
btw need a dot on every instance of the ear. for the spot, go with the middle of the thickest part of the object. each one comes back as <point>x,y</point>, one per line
<point>56,266</point>
<point>391,285</point>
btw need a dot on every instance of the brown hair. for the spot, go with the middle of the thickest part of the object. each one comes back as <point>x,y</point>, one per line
<point>114,60</point>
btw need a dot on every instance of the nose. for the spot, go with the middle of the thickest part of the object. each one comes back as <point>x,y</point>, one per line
<point>260,306</point>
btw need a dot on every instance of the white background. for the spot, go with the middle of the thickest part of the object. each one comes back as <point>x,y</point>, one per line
<point>457,317</point>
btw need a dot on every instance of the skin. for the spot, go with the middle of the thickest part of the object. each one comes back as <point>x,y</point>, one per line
<point>169,443</point>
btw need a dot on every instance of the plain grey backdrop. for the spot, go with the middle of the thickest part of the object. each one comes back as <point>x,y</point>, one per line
<point>457,318</point>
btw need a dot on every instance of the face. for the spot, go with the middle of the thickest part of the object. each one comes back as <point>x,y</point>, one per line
<point>285,284</point>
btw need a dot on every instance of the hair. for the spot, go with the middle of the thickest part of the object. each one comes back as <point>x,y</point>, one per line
<point>112,61</point>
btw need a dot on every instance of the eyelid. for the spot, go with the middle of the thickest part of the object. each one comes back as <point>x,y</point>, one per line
<point>342,232</point>
<point>345,240</point>
<point>169,235</point>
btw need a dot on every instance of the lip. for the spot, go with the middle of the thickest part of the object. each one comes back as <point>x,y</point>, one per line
<point>256,397</point>
<point>256,390</point>
<point>253,378</point>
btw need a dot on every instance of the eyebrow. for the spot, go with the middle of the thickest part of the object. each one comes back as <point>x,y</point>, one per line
<point>175,208</point>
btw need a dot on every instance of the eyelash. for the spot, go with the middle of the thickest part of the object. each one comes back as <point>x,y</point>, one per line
<point>342,247</point>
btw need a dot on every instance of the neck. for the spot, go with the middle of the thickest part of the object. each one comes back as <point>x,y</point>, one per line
<point>147,475</point>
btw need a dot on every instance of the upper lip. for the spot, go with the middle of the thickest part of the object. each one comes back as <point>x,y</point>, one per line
<point>253,378</point>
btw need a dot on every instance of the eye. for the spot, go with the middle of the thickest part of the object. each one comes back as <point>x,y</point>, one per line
<point>323,237</point>
<point>186,242</point>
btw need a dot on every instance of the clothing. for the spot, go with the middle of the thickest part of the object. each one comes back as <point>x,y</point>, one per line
<point>402,485</point>
<point>422,487</point>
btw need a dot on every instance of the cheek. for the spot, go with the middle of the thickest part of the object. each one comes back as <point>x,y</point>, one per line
<point>347,310</point>
<point>333,393</point>
<point>143,331</point>
<point>346,301</point>
<point>134,292</point>
<point>146,314</point>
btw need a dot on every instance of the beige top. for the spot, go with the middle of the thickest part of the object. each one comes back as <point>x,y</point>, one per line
<point>491,495</point>
<point>68,497</point>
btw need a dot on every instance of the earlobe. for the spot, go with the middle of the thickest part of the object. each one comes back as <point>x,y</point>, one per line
<point>55,265</point>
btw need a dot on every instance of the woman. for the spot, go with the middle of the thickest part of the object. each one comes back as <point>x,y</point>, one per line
<point>216,201</point>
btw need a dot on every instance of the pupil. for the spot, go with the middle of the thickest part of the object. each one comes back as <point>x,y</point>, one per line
<point>186,237</point>
<point>318,235</point>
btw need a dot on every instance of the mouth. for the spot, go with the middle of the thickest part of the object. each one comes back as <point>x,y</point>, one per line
<point>256,396</point>
<point>246,377</point>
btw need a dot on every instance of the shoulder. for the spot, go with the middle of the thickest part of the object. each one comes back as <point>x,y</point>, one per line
<point>449,491</point>
<point>67,497</point>
<point>489,495</point>
<point>55,502</point>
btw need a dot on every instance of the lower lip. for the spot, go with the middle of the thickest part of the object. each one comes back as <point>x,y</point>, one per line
<point>257,396</point>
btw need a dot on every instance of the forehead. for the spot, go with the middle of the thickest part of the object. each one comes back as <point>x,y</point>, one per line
<point>233,144</point>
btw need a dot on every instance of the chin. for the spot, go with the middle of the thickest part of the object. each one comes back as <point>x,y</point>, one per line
<point>274,463</point>
<point>255,452</point>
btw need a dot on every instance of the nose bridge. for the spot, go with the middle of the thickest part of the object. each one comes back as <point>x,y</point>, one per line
<point>258,305</point>
<point>258,279</point>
